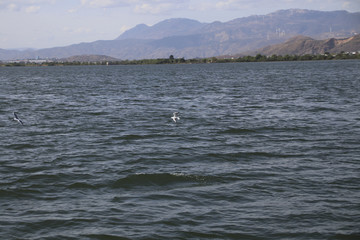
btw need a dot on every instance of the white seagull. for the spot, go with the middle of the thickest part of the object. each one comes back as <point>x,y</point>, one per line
<point>17,119</point>
<point>175,116</point>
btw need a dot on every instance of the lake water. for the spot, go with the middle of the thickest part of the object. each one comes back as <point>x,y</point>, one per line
<point>261,151</point>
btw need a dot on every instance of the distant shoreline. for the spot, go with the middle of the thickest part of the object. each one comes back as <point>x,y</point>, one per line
<point>171,60</point>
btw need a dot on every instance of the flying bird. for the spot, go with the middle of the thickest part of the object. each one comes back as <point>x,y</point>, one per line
<point>16,118</point>
<point>175,116</point>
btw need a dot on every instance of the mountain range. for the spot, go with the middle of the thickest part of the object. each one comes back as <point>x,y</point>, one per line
<point>191,39</point>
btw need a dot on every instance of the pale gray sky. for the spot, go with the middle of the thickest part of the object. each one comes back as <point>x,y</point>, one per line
<point>50,23</point>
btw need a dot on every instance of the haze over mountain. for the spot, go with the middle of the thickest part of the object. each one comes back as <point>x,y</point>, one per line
<point>190,39</point>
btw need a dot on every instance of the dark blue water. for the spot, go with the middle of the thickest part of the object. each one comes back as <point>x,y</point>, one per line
<point>262,151</point>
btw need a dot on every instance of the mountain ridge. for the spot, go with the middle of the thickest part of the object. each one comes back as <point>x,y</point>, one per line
<point>166,28</point>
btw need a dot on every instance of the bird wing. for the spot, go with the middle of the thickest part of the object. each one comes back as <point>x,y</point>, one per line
<point>15,116</point>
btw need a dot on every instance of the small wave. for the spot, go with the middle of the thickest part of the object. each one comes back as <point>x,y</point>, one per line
<point>281,129</point>
<point>325,109</point>
<point>237,131</point>
<point>105,237</point>
<point>99,113</point>
<point>133,137</point>
<point>250,155</point>
<point>18,193</point>
<point>21,146</point>
<point>160,179</point>
<point>81,185</point>
<point>41,177</point>
<point>254,107</point>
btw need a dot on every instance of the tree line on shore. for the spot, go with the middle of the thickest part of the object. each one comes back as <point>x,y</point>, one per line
<point>172,60</point>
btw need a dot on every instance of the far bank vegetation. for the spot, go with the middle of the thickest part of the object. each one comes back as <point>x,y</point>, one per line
<point>172,60</point>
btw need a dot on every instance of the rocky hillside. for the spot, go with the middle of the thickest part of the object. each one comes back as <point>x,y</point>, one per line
<point>302,45</point>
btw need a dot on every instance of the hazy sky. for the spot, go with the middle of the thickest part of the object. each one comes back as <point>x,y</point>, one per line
<point>50,23</point>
